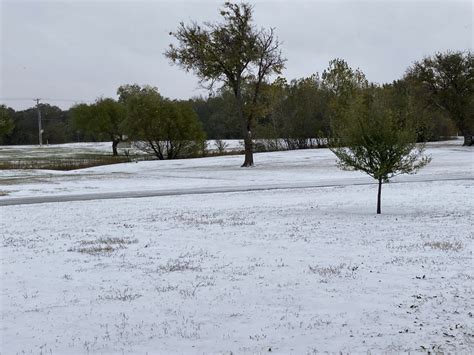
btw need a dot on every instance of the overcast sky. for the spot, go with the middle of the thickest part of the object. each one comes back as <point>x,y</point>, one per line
<point>80,50</point>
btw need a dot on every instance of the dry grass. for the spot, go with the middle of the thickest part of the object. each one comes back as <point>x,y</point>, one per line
<point>102,245</point>
<point>328,271</point>
<point>62,163</point>
<point>445,246</point>
<point>179,265</point>
<point>120,295</point>
<point>334,271</point>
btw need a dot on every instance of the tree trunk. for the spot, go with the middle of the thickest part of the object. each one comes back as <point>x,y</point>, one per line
<point>248,144</point>
<point>379,198</point>
<point>468,140</point>
<point>115,142</point>
<point>245,127</point>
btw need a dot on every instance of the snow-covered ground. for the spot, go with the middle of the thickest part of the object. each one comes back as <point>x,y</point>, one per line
<point>298,168</point>
<point>295,271</point>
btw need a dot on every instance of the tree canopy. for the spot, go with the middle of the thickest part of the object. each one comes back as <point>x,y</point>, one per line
<point>6,122</point>
<point>169,129</point>
<point>104,117</point>
<point>448,80</point>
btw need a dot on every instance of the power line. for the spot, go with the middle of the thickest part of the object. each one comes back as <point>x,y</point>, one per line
<point>46,98</point>
<point>15,99</point>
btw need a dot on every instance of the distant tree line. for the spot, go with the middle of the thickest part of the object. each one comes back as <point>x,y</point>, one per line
<point>300,111</point>
<point>436,95</point>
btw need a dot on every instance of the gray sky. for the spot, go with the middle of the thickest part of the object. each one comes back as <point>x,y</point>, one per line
<point>79,50</point>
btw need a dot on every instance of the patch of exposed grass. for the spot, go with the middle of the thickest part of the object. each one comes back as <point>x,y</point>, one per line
<point>334,271</point>
<point>445,246</point>
<point>327,271</point>
<point>435,245</point>
<point>120,295</point>
<point>71,163</point>
<point>179,265</point>
<point>102,245</point>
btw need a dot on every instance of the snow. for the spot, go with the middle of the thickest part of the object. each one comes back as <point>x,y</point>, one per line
<point>298,168</point>
<point>295,271</point>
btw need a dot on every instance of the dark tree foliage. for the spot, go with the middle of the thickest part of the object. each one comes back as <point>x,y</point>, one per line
<point>6,122</point>
<point>408,102</point>
<point>218,115</point>
<point>168,129</point>
<point>234,52</point>
<point>448,81</point>
<point>56,124</point>
<point>105,118</point>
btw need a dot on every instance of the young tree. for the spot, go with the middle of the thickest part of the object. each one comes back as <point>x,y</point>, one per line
<point>369,138</point>
<point>168,129</point>
<point>448,79</point>
<point>233,52</point>
<point>104,117</point>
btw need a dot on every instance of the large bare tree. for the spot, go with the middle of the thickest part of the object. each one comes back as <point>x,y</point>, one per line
<point>234,52</point>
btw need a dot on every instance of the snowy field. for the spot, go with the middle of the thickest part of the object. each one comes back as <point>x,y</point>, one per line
<point>311,167</point>
<point>300,271</point>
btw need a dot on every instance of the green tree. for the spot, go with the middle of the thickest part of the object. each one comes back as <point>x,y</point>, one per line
<point>168,129</point>
<point>6,122</point>
<point>409,103</point>
<point>342,83</point>
<point>370,138</point>
<point>105,118</point>
<point>448,79</point>
<point>234,52</point>
<point>305,113</point>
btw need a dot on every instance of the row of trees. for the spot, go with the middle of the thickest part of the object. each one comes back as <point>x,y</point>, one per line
<point>436,94</point>
<point>21,127</point>
<point>169,129</point>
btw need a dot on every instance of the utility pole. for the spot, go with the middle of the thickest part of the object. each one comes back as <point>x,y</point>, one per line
<point>40,129</point>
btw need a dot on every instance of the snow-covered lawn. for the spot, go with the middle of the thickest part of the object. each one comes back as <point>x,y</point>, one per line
<point>295,271</point>
<point>298,168</point>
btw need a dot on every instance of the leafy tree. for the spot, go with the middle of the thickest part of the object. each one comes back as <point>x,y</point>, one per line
<point>448,79</point>
<point>305,112</point>
<point>341,80</point>
<point>270,126</point>
<point>370,138</point>
<point>55,123</point>
<point>234,52</point>
<point>105,117</point>
<point>168,129</point>
<point>342,83</point>
<point>6,122</point>
<point>409,104</point>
